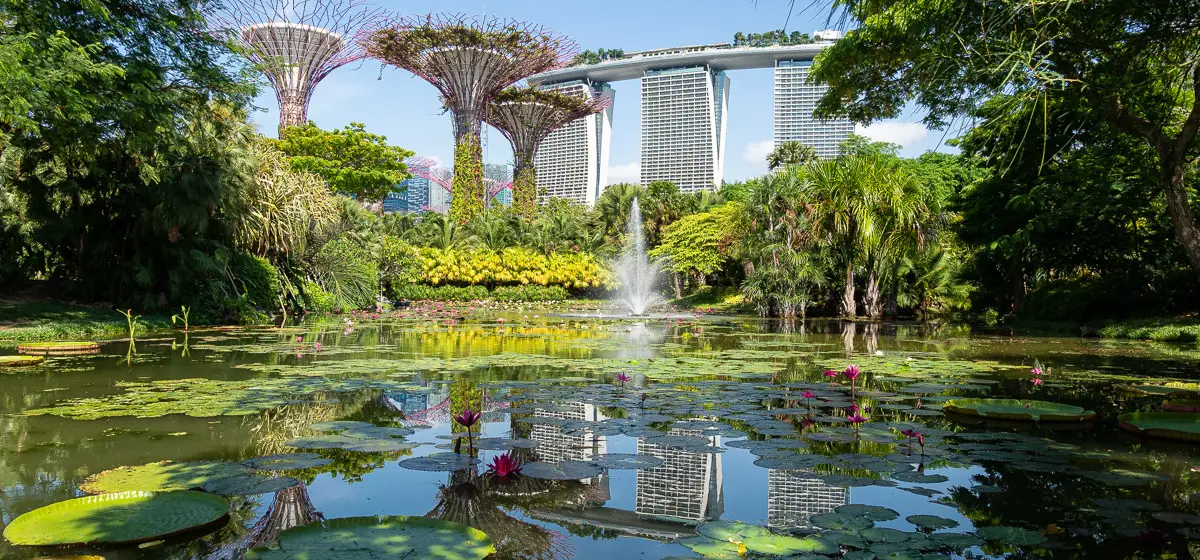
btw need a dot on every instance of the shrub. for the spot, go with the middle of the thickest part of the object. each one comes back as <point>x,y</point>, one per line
<point>421,292</point>
<point>257,279</point>
<point>315,298</point>
<point>513,266</point>
<point>399,262</point>
<point>348,272</point>
<point>530,293</point>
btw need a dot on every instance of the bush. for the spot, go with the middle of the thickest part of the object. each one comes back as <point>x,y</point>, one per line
<point>421,292</point>
<point>315,298</point>
<point>530,293</point>
<point>257,279</point>
<point>399,262</point>
<point>348,272</point>
<point>513,266</point>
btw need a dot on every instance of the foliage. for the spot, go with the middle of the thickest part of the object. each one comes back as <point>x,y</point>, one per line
<point>468,191</point>
<point>348,272</point>
<point>597,56</point>
<point>513,266</point>
<point>530,293</point>
<point>399,262</point>
<point>257,279</point>
<point>422,292</point>
<point>352,161</point>
<point>281,205</point>
<point>315,298</point>
<point>770,38</point>
<point>698,244</point>
<point>53,321</point>
<point>790,153</point>
<point>1128,66</point>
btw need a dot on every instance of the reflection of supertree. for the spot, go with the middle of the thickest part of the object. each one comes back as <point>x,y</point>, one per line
<point>296,43</point>
<point>469,62</point>
<point>290,508</point>
<point>464,500</point>
<point>526,116</point>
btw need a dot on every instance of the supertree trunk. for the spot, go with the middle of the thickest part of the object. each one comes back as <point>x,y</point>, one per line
<point>525,188</point>
<point>468,196</point>
<point>292,112</point>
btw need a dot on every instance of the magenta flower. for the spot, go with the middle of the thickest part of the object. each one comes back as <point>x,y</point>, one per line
<point>909,433</point>
<point>1036,371</point>
<point>504,466</point>
<point>1037,381</point>
<point>921,440</point>
<point>853,408</point>
<point>830,373</point>
<point>808,395</point>
<point>299,339</point>
<point>467,418</point>
<point>857,419</point>
<point>622,378</point>
<point>317,346</point>
<point>851,372</point>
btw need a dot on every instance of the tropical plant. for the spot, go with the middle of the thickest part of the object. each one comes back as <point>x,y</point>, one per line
<point>352,161</point>
<point>698,245</point>
<point>789,153</point>
<point>281,208</point>
<point>348,272</point>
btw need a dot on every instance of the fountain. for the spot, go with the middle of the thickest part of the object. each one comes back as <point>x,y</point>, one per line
<point>635,271</point>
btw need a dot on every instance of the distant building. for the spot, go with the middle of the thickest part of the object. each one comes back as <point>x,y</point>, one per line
<point>684,117</point>
<point>412,197</point>
<point>686,488</point>
<point>794,496</point>
<point>572,162</point>
<point>795,100</point>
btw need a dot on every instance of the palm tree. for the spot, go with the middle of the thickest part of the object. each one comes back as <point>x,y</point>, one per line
<point>613,206</point>
<point>440,232</point>
<point>494,228</point>
<point>790,153</point>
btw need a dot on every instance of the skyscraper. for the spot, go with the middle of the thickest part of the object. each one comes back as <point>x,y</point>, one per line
<point>795,100</point>
<point>687,487</point>
<point>793,496</point>
<point>684,117</point>
<point>572,162</point>
<point>414,196</point>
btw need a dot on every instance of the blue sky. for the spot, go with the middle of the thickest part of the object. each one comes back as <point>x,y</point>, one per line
<point>404,108</point>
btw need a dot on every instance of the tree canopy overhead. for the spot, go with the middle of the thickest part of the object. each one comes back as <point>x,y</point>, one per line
<point>1130,65</point>
<point>353,161</point>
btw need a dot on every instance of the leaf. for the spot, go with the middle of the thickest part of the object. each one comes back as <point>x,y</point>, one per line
<point>370,538</point>
<point>119,518</point>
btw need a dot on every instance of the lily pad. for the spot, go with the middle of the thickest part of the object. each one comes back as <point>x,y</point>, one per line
<point>161,476</point>
<point>287,462</point>
<point>1014,536</point>
<point>931,522</point>
<point>1183,426</point>
<point>874,513</point>
<point>440,462</point>
<point>20,361</point>
<point>841,522</point>
<point>1018,409</point>
<point>620,461</point>
<point>368,538</point>
<point>760,540</point>
<point>565,470</point>
<point>120,518</point>
<point>58,348</point>
<point>248,485</point>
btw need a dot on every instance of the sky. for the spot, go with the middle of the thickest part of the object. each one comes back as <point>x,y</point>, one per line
<point>406,110</point>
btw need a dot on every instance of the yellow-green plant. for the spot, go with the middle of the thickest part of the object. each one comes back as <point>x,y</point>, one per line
<point>186,311</point>
<point>514,266</point>
<point>133,321</point>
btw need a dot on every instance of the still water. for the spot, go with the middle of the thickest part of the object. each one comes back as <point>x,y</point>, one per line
<point>714,410</point>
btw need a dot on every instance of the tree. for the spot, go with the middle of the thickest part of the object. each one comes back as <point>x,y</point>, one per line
<point>790,153</point>
<point>121,134</point>
<point>698,244</point>
<point>352,161</point>
<point>1128,64</point>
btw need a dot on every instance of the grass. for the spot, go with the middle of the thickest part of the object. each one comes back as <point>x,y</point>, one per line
<point>1172,329</point>
<point>41,320</point>
<point>723,300</point>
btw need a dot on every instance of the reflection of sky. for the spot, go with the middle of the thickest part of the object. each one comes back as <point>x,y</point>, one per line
<point>639,338</point>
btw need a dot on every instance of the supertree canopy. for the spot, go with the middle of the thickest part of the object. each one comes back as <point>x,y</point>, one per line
<point>469,61</point>
<point>526,116</point>
<point>296,43</point>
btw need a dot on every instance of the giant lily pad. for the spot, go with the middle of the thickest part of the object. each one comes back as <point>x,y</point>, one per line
<point>618,461</point>
<point>20,361</point>
<point>565,470</point>
<point>287,462</point>
<point>58,348</point>
<point>760,540</point>
<point>161,476</point>
<point>368,538</point>
<point>1013,536</point>
<point>440,462</point>
<point>248,485</point>
<point>123,517</point>
<point>1184,426</point>
<point>1018,409</point>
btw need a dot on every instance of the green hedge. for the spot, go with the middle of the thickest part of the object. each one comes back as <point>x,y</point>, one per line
<point>316,299</point>
<point>258,279</point>
<point>421,292</point>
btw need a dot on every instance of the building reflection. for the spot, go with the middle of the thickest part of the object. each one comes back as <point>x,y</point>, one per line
<point>686,488</point>
<point>793,498</point>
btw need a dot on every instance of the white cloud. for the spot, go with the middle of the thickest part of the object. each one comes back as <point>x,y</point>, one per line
<point>757,152</point>
<point>625,173</point>
<point>896,132</point>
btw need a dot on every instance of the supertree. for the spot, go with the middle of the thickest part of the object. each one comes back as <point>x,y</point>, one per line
<point>469,61</point>
<point>526,116</point>
<point>296,43</point>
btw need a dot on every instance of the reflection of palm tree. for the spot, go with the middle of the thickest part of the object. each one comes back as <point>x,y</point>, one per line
<point>464,500</point>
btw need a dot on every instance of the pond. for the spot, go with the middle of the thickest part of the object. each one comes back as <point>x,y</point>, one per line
<point>699,437</point>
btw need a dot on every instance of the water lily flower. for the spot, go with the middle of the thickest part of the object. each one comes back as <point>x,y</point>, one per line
<point>851,373</point>
<point>504,466</point>
<point>1036,371</point>
<point>467,418</point>
<point>299,355</point>
<point>857,419</point>
<point>807,395</point>
<point>909,433</point>
<point>317,346</point>
<point>299,339</point>
<point>853,408</point>
<point>1037,381</point>
<point>830,373</point>
<point>501,319</point>
<point>921,440</point>
<point>622,378</point>
<point>374,316</point>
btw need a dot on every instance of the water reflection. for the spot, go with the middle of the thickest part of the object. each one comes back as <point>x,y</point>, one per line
<point>687,487</point>
<point>793,498</point>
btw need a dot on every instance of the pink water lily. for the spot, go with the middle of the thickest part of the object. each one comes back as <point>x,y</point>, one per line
<point>1036,371</point>
<point>622,378</point>
<point>921,440</point>
<point>467,418</point>
<point>910,433</point>
<point>299,339</point>
<point>857,419</point>
<point>831,373</point>
<point>317,346</point>
<point>807,395</point>
<point>851,373</point>
<point>504,466</point>
<point>1037,381</point>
